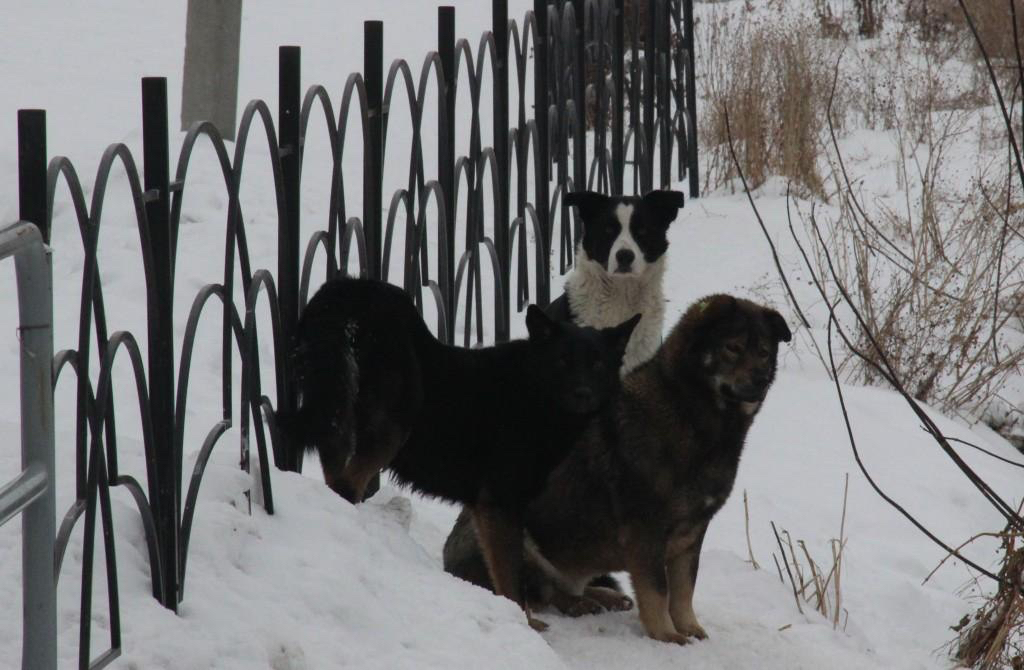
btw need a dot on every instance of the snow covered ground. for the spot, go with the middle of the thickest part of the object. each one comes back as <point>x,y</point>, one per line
<point>322,584</point>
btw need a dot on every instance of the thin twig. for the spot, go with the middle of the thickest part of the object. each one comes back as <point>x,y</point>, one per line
<point>746,524</point>
<point>796,597</point>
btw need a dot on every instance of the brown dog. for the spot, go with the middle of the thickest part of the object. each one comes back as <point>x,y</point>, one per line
<point>638,491</point>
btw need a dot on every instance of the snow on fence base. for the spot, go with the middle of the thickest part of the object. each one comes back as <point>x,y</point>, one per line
<point>569,41</point>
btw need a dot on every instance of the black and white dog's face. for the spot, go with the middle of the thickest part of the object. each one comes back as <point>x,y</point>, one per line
<point>626,234</point>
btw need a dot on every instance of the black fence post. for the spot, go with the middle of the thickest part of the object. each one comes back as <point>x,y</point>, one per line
<point>664,63</point>
<point>579,95</point>
<point>499,28</point>
<point>32,169</point>
<point>650,58</point>
<point>373,159</point>
<point>543,160</point>
<point>691,100</point>
<point>618,76</point>
<point>166,500</point>
<point>373,156</point>
<point>446,149</point>
<point>288,110</point>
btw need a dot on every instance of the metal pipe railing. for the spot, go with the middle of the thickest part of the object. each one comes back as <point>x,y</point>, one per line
<point>32,492</point>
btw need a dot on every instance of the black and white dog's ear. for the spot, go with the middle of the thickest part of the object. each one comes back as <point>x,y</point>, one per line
<point>538,324</point>
<point>590,204</point>
<point>778,326</point>
<point>664,205</point>
<point>619,335</point>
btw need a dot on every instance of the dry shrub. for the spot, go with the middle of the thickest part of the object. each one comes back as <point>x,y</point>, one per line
<point>772,79</point>
<point>993,637</point>
<point>938,282</point>
<point>869,17</point>
<point>944,20</point>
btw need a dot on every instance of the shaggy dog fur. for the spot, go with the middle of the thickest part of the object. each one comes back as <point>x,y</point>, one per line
<point>620,263</point>
<point>644,481</point>
<point>482,427</point>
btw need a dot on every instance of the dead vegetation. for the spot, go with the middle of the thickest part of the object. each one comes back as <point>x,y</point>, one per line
<point>780,81</point>
<point>923,282</point>
<point>992,638</point>
<point>813,585</point>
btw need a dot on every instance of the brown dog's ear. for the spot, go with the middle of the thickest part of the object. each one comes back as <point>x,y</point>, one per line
<point>708,310</point>
<point>619,335</point>
<point>665,205</point>
<point>692,328</point>
<point>538,324</point>
<point>778,326</point>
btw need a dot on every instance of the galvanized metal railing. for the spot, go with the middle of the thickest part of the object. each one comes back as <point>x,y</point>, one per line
<point>31,493</point>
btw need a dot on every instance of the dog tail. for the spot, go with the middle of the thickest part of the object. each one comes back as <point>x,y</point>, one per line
<point>325,372</point>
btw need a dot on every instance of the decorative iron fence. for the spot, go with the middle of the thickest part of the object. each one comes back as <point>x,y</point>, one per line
<point>634,102</point>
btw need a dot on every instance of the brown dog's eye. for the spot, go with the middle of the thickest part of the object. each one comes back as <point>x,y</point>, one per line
<point>734,348</point>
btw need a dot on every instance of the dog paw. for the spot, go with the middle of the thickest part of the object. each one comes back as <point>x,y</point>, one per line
<point>693,630</point>
<point>537,624</point>
<point>622,603</point>
<point>582,607</point>
<point>672,636</point>
<point>610,599</point>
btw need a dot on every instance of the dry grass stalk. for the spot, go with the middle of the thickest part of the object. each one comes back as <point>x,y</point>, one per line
<point>810,582</point>
<point>746,526</point>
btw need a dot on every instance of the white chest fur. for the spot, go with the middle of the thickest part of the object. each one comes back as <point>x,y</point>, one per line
<point>601,300</point>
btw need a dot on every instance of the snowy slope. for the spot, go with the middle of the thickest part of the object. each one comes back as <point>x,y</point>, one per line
<point>324,585</point>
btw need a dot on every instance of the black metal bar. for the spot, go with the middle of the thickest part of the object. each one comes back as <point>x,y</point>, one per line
<point>579,95</point>
<point>288,110</point>
<point>446,149</point>
<point>634,94</point>
<point>691,100</point>
<point>499,28</point>
<point>166,500</point>
<point>32,169</point>
<point>650,59</point>
<point>619,76</point>
<point>373,156</point>
<point>542,192</point>
<point>598,57</point>
<point>664,102</point>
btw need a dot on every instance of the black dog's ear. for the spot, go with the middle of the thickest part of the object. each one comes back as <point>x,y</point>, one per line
<point>619,335</point>
<point>665,205</point>
<point>538,324</point>
<point>778,326</point>
<point>590,204</point>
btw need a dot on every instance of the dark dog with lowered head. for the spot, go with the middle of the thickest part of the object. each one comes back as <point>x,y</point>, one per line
<point>643,483</point>
<point>482,427</point>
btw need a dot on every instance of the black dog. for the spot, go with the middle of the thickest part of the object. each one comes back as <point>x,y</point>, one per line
<point>483,427</point>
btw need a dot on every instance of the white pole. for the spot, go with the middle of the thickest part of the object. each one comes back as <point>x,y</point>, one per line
<point>210,84</point>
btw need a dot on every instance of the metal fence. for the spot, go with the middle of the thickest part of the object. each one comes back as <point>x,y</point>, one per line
<point>620,73</point>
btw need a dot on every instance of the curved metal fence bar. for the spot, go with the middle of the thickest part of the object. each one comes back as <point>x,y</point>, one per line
<point>262,282</point>
<point>318,239</point>
<point>318,94</point>
<point>31,493</point>
<point>399,198</point>
<point>622,73</point>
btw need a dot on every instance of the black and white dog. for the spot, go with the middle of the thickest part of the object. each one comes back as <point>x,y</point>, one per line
<point>619,266</point>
